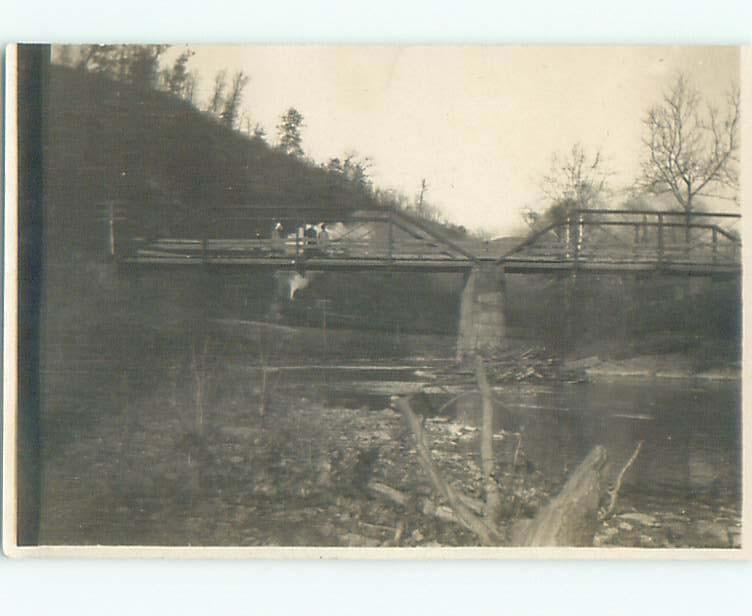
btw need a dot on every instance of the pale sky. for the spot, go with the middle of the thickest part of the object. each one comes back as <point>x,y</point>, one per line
<point>478,123</point>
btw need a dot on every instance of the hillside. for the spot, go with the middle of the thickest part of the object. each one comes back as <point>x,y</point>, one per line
<point>163,160</point>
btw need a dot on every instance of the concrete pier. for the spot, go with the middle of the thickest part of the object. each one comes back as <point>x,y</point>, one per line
<point>482,324</point>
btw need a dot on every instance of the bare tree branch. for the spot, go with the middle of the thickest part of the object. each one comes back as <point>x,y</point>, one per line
<point>487,534</point>
<point>488,460</point>
<point>688,150</point>
<point>609,510</point>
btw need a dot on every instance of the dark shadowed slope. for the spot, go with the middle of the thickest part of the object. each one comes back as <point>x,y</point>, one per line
<point>164,160</point>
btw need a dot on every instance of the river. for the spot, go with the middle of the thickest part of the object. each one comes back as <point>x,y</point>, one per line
<point>690,461</point>
<point>691,428</point>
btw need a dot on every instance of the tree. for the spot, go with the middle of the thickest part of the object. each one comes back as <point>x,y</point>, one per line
<point>98,58</point>
<point>259,133</point>
<point>218,93</point>
<point>178,80</point>
<point>355,169</point>
<point>690,150</point>
<point>229,113</point>
<point>423,209</point>
<point>64,55</point>
<point>142,64</point>
<point>576,180</point>
<point>288,129</point>
<point>138,64</point>
<point>334,166</point>
<point>191,85</point>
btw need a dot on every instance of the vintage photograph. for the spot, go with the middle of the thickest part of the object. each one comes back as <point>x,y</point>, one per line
<point>394,297</point>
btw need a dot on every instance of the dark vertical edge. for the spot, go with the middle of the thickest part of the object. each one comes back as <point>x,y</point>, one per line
<point>33,66</point>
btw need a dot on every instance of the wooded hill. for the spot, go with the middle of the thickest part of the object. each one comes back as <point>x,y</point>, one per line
<point>164,161</point>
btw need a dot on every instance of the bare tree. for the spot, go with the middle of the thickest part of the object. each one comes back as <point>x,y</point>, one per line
<point>229,113</point>
<point>218,93</point>
<point>424,209</point>
<point>191,85</point>
<point>576,180</point>
<point>690,148</point>
<point>356,169</point>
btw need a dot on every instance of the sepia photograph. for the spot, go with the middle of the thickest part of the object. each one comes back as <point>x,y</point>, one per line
<point>373,301</point>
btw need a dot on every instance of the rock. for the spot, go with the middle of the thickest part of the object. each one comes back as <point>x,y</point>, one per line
<point>676,529</point>
<point>417,536</point>
<point>647,541</point>
<point>641,518</point>
<point>265,489</point>
<point>735,536</point>
<point>625,526</point>
<point>376,435</point>
<point>358,541</point>
<point>716,533</point>
<point>604,536</point>
<point>324,473</point>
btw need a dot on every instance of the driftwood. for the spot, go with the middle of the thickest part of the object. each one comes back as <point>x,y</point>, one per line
<point>488,460</point>
<point>424,505</point>
<point>464,514</point>
<point>571,518</point>
<point>614,494</point>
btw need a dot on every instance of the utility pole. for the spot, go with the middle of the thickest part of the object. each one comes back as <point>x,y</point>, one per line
<point>423,189</point>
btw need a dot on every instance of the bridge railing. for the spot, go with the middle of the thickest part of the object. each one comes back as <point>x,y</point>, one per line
<point>634,236</point>
<point>130,240</point>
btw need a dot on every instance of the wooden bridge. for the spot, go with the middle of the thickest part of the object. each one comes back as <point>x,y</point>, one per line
<point>624,241</point>
<point>366,240</point>
<point>596,241</point>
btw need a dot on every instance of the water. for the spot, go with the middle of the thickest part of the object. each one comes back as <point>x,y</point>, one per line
<point>691,434</point>
<point>690,429</point>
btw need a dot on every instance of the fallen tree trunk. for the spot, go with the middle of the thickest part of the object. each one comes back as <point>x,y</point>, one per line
<point>614,496</point>
<point>466,516</point>
<point>488,460</point>
<point>571,518</point>
<point>424,505</point>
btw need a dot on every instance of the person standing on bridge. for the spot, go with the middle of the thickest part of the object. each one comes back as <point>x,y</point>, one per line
<point>310,235</point>
<point>323,238</point>
<point>278,239</point>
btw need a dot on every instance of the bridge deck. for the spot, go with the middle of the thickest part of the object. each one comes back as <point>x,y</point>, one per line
<point>351,255</point>
<point>548,266</point>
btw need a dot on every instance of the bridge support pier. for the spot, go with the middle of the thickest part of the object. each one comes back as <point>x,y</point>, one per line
<point>482,325</point>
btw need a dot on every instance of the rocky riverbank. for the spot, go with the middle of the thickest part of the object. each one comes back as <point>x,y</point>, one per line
<point>665,366</point>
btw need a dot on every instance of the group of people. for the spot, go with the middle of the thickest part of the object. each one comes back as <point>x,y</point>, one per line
<point>314,240</point>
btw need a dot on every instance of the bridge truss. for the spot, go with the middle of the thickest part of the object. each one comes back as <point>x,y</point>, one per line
<point>623,241</point>
<point>365,240</point>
